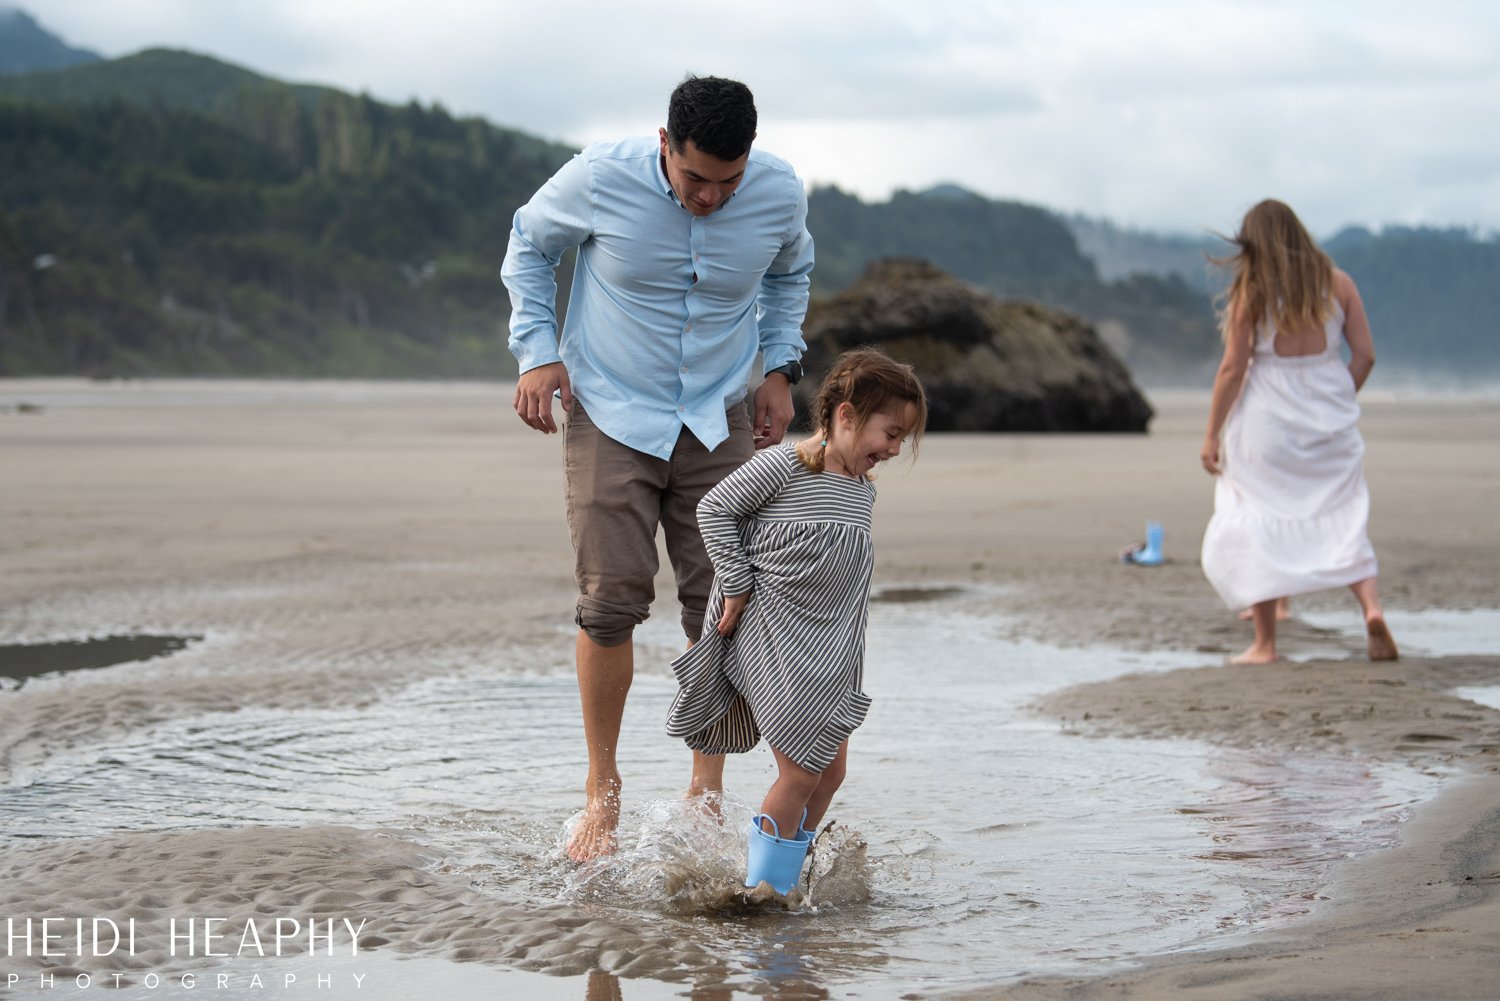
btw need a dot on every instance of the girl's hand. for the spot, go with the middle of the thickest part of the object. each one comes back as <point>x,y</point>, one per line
<point>734,604</point>
<point>1210,455</point>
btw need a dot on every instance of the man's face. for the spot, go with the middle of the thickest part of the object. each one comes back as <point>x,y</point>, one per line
<point>702,182</point>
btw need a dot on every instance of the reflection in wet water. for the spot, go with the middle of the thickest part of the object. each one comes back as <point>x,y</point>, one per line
<point>1282,822</point>
<point>27,660</point>
<point>974,843</point>
<point>904,595</point>
<point>1436,632</point>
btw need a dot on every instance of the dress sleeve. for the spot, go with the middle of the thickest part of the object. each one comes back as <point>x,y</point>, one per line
<point>734,501</point>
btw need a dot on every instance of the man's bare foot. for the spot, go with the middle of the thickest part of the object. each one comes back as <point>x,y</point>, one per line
<point>595,834</point>
<point>1382,645</point>
<point>1283,611</point>
<point>1256,655</point>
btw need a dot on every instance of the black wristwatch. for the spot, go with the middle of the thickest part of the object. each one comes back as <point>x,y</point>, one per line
<point>792,370</point>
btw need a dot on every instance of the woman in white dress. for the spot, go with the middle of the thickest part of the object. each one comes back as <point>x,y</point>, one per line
<point>1290,505</point>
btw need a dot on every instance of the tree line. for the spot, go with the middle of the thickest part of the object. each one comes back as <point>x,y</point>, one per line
<point>168,213</point>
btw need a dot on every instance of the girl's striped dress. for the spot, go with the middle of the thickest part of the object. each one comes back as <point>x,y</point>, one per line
<point>799,541</point>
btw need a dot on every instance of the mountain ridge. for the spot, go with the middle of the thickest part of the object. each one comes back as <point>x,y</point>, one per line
<point>375,231</point>
<point>26,46</point>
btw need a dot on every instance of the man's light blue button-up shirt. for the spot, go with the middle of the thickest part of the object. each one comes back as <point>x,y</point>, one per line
<point>667,309</point>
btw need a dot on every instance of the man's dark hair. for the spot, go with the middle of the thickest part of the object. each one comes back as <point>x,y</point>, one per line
<point>718,115</point>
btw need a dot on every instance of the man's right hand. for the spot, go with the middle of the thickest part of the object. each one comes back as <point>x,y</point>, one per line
<point>534,392</point>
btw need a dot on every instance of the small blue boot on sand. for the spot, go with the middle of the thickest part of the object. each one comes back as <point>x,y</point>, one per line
<point>774,859</point>
<point>1150,555</point>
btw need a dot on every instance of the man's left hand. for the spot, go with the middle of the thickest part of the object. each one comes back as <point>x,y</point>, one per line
<point>773,410</point>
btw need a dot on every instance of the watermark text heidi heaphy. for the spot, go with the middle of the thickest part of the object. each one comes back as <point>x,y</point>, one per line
<point>185,981</point>
<point>223,938</point>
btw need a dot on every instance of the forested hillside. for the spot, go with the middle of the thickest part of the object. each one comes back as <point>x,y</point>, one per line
<point>222,222</point>
<point>1163,328</point>
<point>168,213</point>
<point>1433,296</point>
<point>26,46</point>
<point>184,215</point>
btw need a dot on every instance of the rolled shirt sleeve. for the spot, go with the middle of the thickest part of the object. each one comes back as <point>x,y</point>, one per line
<point>557,219</point>
<point>784,294</point>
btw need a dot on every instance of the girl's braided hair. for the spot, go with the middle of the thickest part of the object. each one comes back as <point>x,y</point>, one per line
<point>871,382</point>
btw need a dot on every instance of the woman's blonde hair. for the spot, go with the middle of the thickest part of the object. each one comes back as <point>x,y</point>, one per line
<point>1278,273</point>
<point>872,383</point>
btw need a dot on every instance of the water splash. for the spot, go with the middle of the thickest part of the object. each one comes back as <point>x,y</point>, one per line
<point>687,858</point>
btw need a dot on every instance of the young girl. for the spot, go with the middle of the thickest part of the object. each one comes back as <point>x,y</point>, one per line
<point>782,651</point>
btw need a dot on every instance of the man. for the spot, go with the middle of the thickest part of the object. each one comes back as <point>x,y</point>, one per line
<point>693,255</point>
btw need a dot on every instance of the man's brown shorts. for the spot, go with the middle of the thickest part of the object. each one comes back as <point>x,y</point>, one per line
<point>616,497</point>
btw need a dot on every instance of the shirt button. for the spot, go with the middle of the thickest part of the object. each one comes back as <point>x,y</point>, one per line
<point>680,409</point>
<point>688,328</point>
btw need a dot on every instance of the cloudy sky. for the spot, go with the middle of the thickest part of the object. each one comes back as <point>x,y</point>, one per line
<point>1168,114</point>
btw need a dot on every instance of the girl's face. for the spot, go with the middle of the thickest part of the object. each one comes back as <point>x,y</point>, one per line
<point>860,449</point>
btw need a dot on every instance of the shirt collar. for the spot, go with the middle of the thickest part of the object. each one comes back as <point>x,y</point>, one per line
<point>662,179</point>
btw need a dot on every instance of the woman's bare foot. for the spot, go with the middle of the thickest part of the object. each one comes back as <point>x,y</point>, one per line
<point>1283,611</point>
<point>1255,654</point>
<point>595,834</point>
<point>1382,645</point>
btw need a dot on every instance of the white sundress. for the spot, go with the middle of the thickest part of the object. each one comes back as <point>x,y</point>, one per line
<point>1291,507</point>
<point>792,671</point>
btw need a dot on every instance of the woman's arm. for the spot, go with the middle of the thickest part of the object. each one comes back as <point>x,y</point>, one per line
<point>1239,344</point>
<point>1356,329</point>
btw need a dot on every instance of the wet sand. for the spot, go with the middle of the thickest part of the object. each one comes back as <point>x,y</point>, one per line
<point>198,509</point>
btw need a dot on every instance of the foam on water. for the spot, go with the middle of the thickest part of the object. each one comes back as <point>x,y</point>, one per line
<point>973,843</point>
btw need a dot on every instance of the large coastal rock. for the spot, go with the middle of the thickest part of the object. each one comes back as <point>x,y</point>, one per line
<point>988,364</point>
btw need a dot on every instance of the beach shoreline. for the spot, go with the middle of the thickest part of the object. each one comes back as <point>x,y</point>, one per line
<point>1413,921</point>
<point>322,515</point>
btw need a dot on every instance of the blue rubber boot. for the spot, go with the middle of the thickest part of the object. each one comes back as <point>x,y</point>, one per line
<point>1151,556</point>
<point>774,859</point>
<point>802,831</point>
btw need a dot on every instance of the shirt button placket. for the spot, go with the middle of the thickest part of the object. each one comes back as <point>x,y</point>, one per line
<point>690,302</point>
